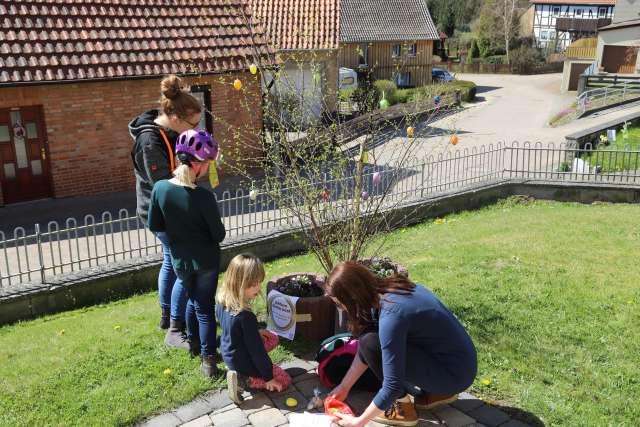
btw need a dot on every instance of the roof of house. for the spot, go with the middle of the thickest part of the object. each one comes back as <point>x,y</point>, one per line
<point>300,24</point>
<point>622,24</point>
<point>576,2</point>
<point>385,20</point>
<point>70,40</point>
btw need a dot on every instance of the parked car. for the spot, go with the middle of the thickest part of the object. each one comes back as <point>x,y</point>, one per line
<point>441,75</point>
<point>348,79</point>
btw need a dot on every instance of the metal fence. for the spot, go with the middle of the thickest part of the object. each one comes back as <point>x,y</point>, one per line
<point>76,245</point>
<point>608,95</point>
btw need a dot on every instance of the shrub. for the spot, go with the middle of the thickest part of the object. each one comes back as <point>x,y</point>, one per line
<point>388,88</point>
<point>366,98</point>
<point>525,58</point>
<point>474,52</point>
<point>346,94</point>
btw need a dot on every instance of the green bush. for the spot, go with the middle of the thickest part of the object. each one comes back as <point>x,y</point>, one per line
<point>346,94</point>
<point>474,52</point>
<point>467,91</point>
<point>366,98</point>
<point>525,58</point>
<point>388,89</point>
<point>495,59</point>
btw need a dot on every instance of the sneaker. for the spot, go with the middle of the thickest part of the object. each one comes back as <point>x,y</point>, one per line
<point>431,400</point>
<point>399,414</point>
<point>236,384</point>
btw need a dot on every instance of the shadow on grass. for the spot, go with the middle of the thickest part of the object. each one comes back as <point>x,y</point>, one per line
<point>522,415</point>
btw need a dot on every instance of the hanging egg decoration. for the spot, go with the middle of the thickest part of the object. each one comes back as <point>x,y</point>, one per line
<point>253,194</point>
<point>253,68</point>
<point>410,131</point>
<point>384,104</point>
<point>454,139</point>
<point>376,178</point>
<point>436,99</point>
<point>365,195</point>
<point>237,84</point>
<point>325,195</point>
<point>219,160</point>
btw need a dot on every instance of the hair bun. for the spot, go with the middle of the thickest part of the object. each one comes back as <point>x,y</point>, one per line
<point>171,86</point>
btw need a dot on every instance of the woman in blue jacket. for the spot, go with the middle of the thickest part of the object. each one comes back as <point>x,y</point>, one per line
<point>408,338</point>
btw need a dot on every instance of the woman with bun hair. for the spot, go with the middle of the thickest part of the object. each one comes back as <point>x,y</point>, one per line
<point>155,133</point>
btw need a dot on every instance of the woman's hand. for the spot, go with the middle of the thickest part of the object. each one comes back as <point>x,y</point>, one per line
<point>274,385</point>
<point>340,392</point>
<point>348,420</point>
<point>264,333</point>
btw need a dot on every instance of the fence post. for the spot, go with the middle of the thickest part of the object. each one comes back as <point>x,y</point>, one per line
<point>422,181</point>
<point>40,255</point>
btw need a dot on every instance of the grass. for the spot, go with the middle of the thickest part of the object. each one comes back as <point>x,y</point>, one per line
<point>617,161</point>
<point>548,291</point>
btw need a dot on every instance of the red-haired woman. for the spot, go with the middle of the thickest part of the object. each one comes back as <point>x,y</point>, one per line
<point>408,338</point>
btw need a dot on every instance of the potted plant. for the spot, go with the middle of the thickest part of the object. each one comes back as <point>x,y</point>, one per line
<point>384,267</point>
<point>315,311</point>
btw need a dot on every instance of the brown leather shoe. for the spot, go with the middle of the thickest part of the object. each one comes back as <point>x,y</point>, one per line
<point>399,414</point>
<point>431,400</point>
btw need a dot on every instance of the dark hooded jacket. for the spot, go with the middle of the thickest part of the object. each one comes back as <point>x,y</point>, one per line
<point>151,157</point>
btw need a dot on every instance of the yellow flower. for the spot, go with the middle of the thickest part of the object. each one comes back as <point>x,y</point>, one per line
<point>486,381</point>
<point>439,221</point>
<point>116,328</point>
<point>61,332</point>
<point>167,371</point>
<point>630,302</point>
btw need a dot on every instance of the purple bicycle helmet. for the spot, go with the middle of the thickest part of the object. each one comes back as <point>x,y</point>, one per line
<point>198,143</point>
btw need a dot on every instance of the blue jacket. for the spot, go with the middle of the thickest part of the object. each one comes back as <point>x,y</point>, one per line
<point>417,329</point>
<point>241,345</point>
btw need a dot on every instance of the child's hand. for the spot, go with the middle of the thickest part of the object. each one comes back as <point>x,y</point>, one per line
<point>264,333</point>
<point>274,385</point>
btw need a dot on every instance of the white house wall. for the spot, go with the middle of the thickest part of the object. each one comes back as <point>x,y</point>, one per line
<point>545,15</point>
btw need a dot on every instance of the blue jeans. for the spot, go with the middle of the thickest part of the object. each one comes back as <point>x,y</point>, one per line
<point>173,296</point>
<point>201,320</point>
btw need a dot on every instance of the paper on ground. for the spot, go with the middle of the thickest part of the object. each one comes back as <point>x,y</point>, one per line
<point>310,420</point>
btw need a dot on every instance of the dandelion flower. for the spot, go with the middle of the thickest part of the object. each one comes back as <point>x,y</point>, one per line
<point>486,381</point>
<point>61,332</point>
<point>116,328</point>
<point>167,371</point>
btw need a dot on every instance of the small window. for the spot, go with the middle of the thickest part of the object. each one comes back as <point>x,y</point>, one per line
<point>556,11</point>
<point>552,35</point>
<point>579,12</point>
<point>9,171</point>
<point>4,134</point>
<point>602,12</point>
<point>543,35</point>
<point>396,50</point>
<point>348,81</point>
<point>363,51</point>
<point>203,94</point>
<point>403,79</point>
<point>412,50</point>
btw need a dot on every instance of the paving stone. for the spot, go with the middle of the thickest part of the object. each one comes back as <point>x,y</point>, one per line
<point>307,387</point>
<point>217,399</point>
<point>305,377</point>
<point>224,409</point>
<point>467,402</point>
<point>514,423</point>
<point>232,418</point>
<point>271,417</point>
<point>489,415</point>
<point>203,421</point>
<point>279,400</point>
<point>194,409</point>
<point>453,417</point>
<point>297,367</point>
<point>255,403</point>
<point>426,418</point>
<point>165,420</point>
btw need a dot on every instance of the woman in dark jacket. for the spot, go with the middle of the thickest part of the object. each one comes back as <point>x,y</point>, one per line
<point>155,133</point>
<point>408,338</point>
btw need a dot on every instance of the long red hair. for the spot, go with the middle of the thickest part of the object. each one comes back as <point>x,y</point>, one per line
<point>359,291</point>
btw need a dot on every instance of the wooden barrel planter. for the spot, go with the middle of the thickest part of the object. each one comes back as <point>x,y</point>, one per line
<point>342,318</point>
<point>316,314</point>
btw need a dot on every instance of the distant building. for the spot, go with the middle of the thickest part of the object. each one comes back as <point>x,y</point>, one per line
<point>561,22</point>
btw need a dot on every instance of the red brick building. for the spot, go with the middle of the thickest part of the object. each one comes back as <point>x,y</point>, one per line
<point>74,73</point>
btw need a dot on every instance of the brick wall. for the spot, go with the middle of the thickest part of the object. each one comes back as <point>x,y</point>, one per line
<point>89,143</point>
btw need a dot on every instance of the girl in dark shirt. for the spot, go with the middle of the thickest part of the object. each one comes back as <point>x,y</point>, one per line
<point>189,215</point>
<point>243,346</point>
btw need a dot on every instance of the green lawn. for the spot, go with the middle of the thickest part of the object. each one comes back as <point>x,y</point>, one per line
<point>613,158</point>
<point>550,293</point>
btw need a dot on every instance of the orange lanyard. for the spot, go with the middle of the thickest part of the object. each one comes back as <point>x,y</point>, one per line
<point>169,149</point>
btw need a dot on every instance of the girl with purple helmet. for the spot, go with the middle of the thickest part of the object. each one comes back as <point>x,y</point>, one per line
<point>189,215</point>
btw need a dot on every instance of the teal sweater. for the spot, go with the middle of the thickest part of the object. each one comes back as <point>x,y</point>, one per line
<point>192,222</point>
